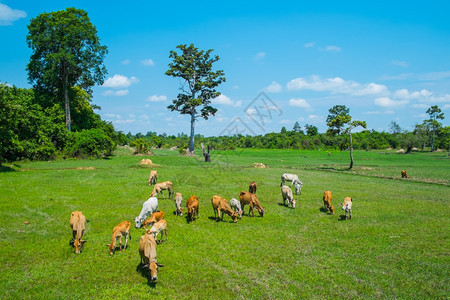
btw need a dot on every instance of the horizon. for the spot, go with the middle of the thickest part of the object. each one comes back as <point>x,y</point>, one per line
<point>284,63</point>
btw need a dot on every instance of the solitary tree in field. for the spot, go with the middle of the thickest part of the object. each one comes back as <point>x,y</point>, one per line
<point>339,121</point>
<point>66,52</point>
<point>435,113</point>
<point>199,81</point>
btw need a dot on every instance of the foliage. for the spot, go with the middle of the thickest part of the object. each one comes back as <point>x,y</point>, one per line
<point>141,146</point>
<point>90,143</point>
<point>194,67</point>
<point>66,52</point>
<point>337,118</point>
<point>435,114</point>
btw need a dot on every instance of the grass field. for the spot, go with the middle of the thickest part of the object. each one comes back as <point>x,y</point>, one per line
<point>395,246</point>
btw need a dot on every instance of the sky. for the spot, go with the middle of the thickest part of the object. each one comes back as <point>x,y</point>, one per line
<point>284,61</point>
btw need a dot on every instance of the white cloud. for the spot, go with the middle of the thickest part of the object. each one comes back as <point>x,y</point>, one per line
<point>299,103</point>
<point>9,15</point>
<point>309,45</point>
<point>251,111</point>
<point>274,87</point>
<point>337,85</point>
<point>399,63</point>
<point>156,98</point>
<point>389,103</point>
<point>115,93</point>
<point>286,122</point>
<point>125,62</point>
<point>333,48</point>
<point>224,100</point>
<point>260,55</point>
<point>127,121</point>
<point>405,94</point>
<point>119,81</point>
<point>148,62</point>
<point>446,106</point>
<point>113,116</point>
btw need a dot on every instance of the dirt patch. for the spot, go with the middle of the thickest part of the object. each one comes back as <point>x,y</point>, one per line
<point>85,168</point>
<point>146,161</point>
<point>259,165</point>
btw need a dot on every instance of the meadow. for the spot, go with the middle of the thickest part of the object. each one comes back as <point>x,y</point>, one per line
<point>395,246</point>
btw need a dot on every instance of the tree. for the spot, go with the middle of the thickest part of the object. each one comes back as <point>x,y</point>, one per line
<point>297,127</point>
<point>337,118</point>
<point>348,130</point>
<point>435,113</point>
<point>66,53</point>
<point>311,130</point>
<point>394,128</point>
<point>283,130</point>
<point>194,67</point>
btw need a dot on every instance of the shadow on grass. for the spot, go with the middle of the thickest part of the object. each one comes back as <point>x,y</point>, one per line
<point>342,218</point>
<point>219,220</point>
<point>323,209</point>
<point>6,169</point>
<point>145,272</point>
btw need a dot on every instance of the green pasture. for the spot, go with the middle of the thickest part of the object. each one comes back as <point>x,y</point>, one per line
<point>395,246</point>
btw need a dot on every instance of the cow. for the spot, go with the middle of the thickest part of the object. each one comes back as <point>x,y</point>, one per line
<point>178,200</point>
<point>160,226</point>
<point>286,192</point>
<point>155,217</point>
<point>159,187</point>
<point>153,178</point>
<point>293,178</point>
<point>236,206</point>
<point>220,205</point>
<point>147,251</point>
<point>247,198</point>
<point>252,187</point>
<point>192,207</point>
<point>347,207</point>
<point>327,197</point>
<point>123,229</point>
<point>78,225</point>
<point>149,207</point>
<point>404,174</point>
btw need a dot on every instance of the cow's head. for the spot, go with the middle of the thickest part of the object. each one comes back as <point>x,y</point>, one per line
<point>138,222</point>
<point>293,203</point>
<point>180,211</point>
<point>260,210</point>
<point>234,216</point>
<point>78,244</point>
<point>153,268</point>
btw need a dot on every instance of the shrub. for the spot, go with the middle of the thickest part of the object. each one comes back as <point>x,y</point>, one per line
<point>90,143</point>
<point>141,146</point>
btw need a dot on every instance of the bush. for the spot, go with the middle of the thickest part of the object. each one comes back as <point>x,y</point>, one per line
<point>141,146</point>
<point>90,143</point>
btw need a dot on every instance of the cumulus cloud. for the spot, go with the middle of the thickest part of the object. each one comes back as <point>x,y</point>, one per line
<point>148,62</point>
<point>224,100</point>
<point>9,15</point>
<point>390,103</point>
<point>337,85</point>
<point>156,98</point>
<point>115,93</point>
<point>260,55</point>
<point>405,94</point>
<point>274,87</point>
<point>299,103</point>
<point>119,81</point>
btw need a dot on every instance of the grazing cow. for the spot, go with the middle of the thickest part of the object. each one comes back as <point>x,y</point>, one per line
<point>78,225</point>
<point>252,187</point>
<point>404,174</point>
<point>236,206</point>
<point>178,199</point>
<point>293,178</point>
<point>160,226</point>
<point>252,201</point>
<point>347,207</point>
<point>149,207</point>
<point>147,251</point>
<point>159,187</point>
<point>192,207</point>
<point>155,217</point>
<point>123,229</point>
<point>327,197</point>
<point>298,187</point>
<point>153,178</point>
<point>286,192</point>
<point>219,205</point>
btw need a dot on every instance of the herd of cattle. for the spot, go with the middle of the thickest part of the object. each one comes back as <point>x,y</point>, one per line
<point>151,216</point>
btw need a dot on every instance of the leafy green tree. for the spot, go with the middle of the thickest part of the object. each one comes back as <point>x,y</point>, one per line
<point>283,130</point>
<point>297,127</point>
<point>435,113</point>
<point>66,52</point>
<point>194,67</point>
<point>311,130</point>
<point>337,119</point>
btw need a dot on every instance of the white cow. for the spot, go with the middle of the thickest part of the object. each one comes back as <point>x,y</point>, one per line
<point>295,181</point>
<point>347,207</point>
<point>286,192</point>
<point>236,206</point>
<point>150,206</point>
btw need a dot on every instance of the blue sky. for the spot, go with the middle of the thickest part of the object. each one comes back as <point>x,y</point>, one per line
<point>385,60</point>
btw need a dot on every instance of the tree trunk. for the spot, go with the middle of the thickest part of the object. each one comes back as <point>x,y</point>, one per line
<point>351,152</point>
<point>67,102</point>
<point>432,140</point>
<point>191,141</point>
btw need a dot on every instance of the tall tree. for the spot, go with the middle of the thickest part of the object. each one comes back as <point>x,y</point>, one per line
<point>311,130</point>
<point>348,130</point>
<point>337,118</point>
<point>194,67</point>
<point>435,113</point>
<point>297,127</point>
<point>66,53</point>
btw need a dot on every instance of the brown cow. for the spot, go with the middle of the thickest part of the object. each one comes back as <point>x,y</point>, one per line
<point>155,217</point>
<point>147,251</point>
<point>123,229</point>
<point>78,225</point>
<point>347,207</point>
<point>252,201</point>
<point>153,178</point>
<point>159,187</point>
<point>327,197</point>
<point>178,200</point>
<point>160,226</point>
<point>252,187</point>
<point>221,205</point>
<point>404,174</point>
<point>192,207</point>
